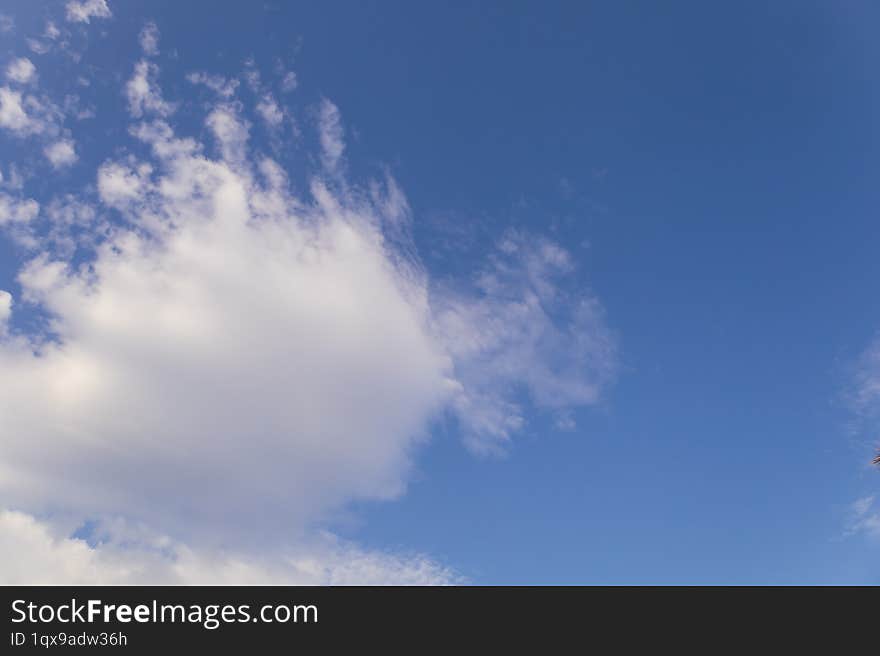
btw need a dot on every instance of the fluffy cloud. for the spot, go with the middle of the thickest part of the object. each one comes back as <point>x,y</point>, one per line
<point>143,93</point>
<point>232,353</point>
<point>231,363</point>
<point>34,552</point>
<point>82,11</point>
<point>121,184</point>
<point>25,115</point>
<point>13,115</point>
<point>61,153</point>
<point>231,133</point>
<point>21,70</point>
<point>15,210</point>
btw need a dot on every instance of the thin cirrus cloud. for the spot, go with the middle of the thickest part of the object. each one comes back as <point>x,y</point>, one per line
<point>864,518</point>
<point>332,135</point>
<point>521,329</point>
<point>238,361</point>
<point>149,39</point>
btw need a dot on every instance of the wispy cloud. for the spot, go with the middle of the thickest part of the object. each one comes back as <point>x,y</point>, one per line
<point>270,111</point>
<point>332,136</point>
<point>521,330</point>
<point>82,11</point>
<point>143,92</point>
<point>217,83</point>
<point>149,39</point>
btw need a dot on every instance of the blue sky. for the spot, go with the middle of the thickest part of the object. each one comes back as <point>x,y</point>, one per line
<point>710,172</point>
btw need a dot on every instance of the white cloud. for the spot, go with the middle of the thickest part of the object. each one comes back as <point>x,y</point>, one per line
<point>289,82</point>
<point>5,309</point>
<point>270,112</point>
<point>236,362</point>
<point>863,394</point>
<point>72,220</point>
<point>13,210</point>
<point>34,552</point>
<point>216,83</point>
<point>21,70</point>
<point>73,108</point>
<point>70,210</point>
<point>61,153</point>
<point>864,518</point>
<point>38,46</point>
<point>17,216</point>
<point>267,106</point>
<point>331,134</point>
<point>288,345</point>
<point>120,185</point>
<point>82,11</point>
<point>143,93</point>
<point>15,180</point>
<point>65,223</point>
<point>252,75</point>
<point>866,397</point>
<point>149,38</point>
<point>230,131</point>
<point>7,24</point>
<point>51,31</point>
<point>521,331</point>
<point>13,116</point>
<point>27,115</point>
<point>860,507</point>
